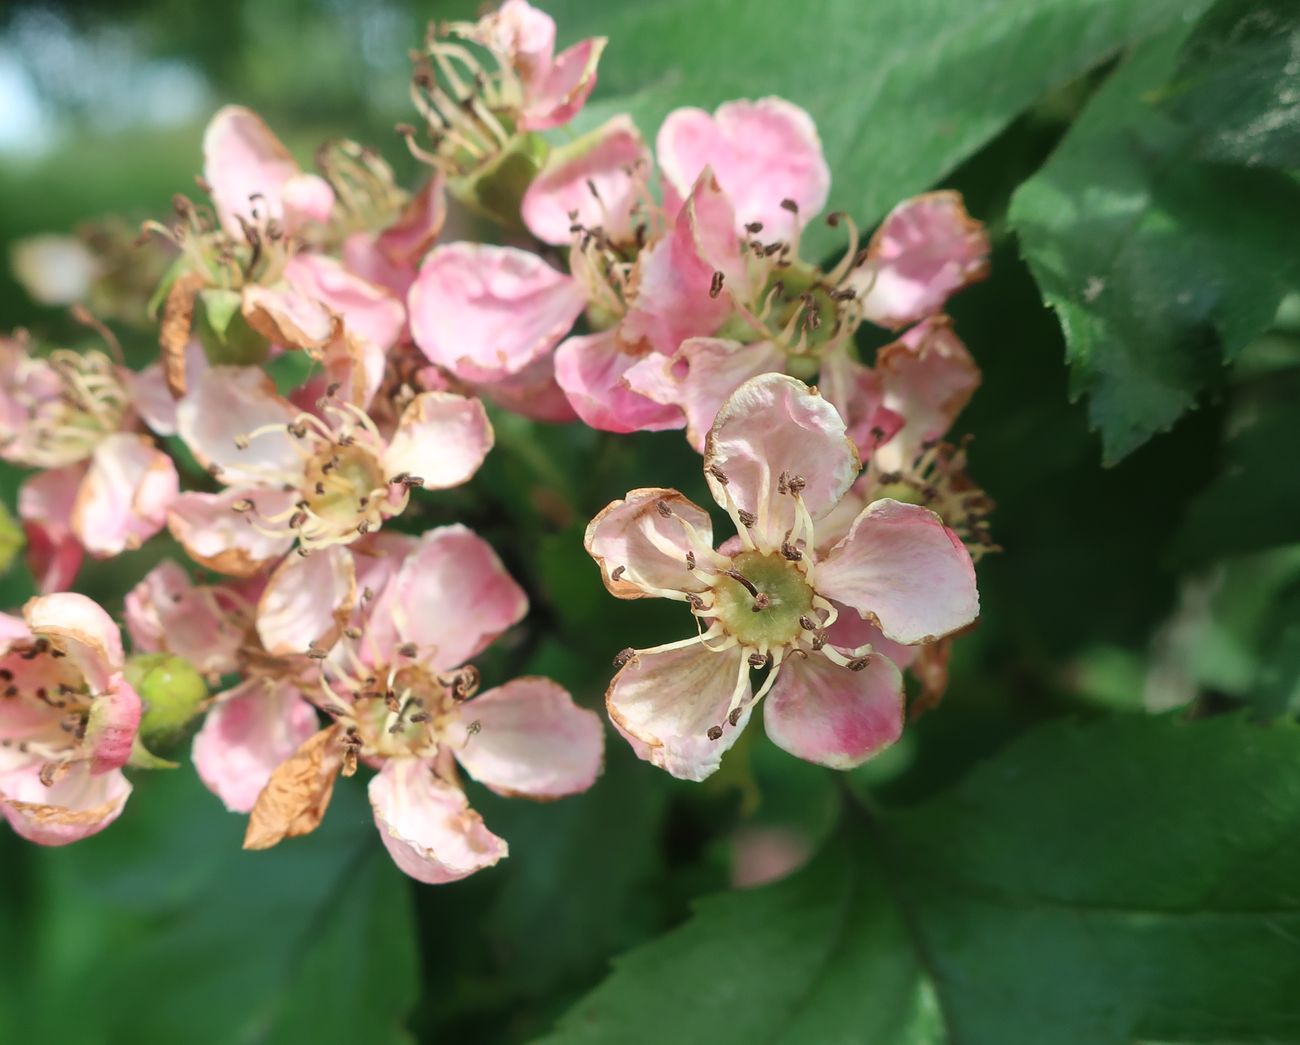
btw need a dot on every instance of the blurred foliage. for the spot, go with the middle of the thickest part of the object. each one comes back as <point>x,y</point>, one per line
<point>999,876</point>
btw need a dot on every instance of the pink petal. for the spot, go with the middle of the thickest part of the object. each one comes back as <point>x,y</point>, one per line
<point>442,438</point>
<point>228,402</point>
<point>151,398</point>
<point>531,740</point>
<point>486,312</point>
<point>771,425</point>
<point>902,566</point>
<point>45,502</point>
<point>243,160</point>
<point>112,725</point>
<point>250,731</point>
<point>670,700</point>
<point>701,376</point>
<point>288,317</point>
<point>88,634</point>
<point>762,152</point>
<point>451,597</point>
<point>927,378</point>
<point>823,713</point>
<point>557,97</point>
<point>427,825</point>
<point>165,612</point>
<point>369,311</point>
<point>532,393</point>
<point>306,198</point>
<point>77,806</point>
<point>592,370</point>
<point>305,601</point>
<point>641,552</point>
<point>925,249</point>
<point>125,495</point>
<point>614,160</point>
<point>222,539</point>
<point>417,227</point>
<point>675,275</point>
<point>522,34</point>
<point>858,393</point>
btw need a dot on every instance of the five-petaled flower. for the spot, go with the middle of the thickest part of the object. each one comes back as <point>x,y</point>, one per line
<point>777,459</point>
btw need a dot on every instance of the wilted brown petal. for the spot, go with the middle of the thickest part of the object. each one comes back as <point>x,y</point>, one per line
<point>296,797</point>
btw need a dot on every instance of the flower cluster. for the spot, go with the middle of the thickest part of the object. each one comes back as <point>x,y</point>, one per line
<point>328,357</point>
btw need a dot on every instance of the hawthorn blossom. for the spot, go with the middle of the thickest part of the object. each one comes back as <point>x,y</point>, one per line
<point>402,698</point>
<point>314,479</point>
<point>777,459</point>
<point>690,299</point>
<point>103,485</point>
<point>68,720</point>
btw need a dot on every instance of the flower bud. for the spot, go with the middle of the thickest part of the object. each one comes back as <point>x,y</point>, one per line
<point>227,338</point>
<point>172,692</point>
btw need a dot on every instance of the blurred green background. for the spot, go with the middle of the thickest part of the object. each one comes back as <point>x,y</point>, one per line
<point>1169,579</point>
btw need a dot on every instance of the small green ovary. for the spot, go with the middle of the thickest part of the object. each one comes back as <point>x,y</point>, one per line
<point>788,597</point>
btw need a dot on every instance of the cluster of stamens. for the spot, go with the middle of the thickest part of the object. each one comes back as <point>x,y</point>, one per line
<point>344,493</point>
<point>39,673</point>
<point>220,259</point>
<point>66,420</point>
<point>365,188</point>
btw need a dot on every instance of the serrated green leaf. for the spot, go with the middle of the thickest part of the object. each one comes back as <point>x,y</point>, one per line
<point>901,93</point>
<point>1238,83</point>
<point>1128,880</point>
<point>1158,266</point>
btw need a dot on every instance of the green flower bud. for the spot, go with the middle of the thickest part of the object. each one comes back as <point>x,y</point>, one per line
<point>172,693</point>
<point>496,189</point>
<point>11,539</point>
<point>227,338</point>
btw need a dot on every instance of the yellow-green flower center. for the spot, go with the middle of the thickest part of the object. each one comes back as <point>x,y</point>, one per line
<point>761,602</point>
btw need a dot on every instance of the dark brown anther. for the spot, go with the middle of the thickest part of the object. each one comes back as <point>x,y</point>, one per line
<point>353,633</point>
<point>297,519</point>
<point>298,431</point>
<point>242,505</point>
<point>664,509</point>
<point>695,601</point>
<point>617,573</point>
<point>714,733</point>
<point>316,653</point>
<point>419,716</point>
<point>718,474</point>
<point>363,527</point>
<point>320,488</point>
<point>743,581</point>
<point>747,518</point>
<point>789,551</point>
<point>413,481</point>
<point>797,483</point>
<point>11,691</point>
<point>783,483</point>
<point>214,470</point>
<point>790,205</point>
<point>6,675</point>
<point>858,663</point>
<point>734,717</point>
<point>367,594</point>
<point>690,560</point>
<point>347,440</point>
<point>391,702</point>
<point>408,649</point>
<point>464,682</point>
<point>715,285</point>
<point>759,660</point>
<point>399,478</point>
<point>834,218</point>
<point>807,623</point>
<point>303,551</point>
<point>624,656</point>
<point>819,640</point>
<point>754,228</point>
<point>241,442</point>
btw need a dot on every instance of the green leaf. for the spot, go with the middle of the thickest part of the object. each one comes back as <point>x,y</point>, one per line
<point>1129,880</point>
<point>1238,83</point>
<point>901,93</point>
<point>1158,266</point>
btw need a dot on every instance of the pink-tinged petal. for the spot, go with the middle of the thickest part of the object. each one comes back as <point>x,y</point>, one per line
<point>356,365</point>
<point>369,311</point>
<point>418,226</point>
<point>77,806</point>
<point>88,634</point>
<point>528,739</point>
<point>306,198</point>
<point>151,398</point>
<point>557,97</point>
<point>112,725</point>
<point>701,376</point>
<point>774,424</point>
<point>670,700</point>
<point>12,630</point>
<point>228,403</point>
<point>901,566</point>
<point>487,312</point>
<point>522,34</point>
<point>830,715</point>
<point>288,316</point>
<point>45,503</point>
<point>532,393</point>
<point>858,393</point>
<point>925,249</point>
<point>124,498</point>
<point>762,153</point>
<point>306,601</point>
<point>378,557</point>
<point>675,275</point>
<point>247,167</point>
<point>442,438</point>
<point>427,825</point>
<point>451,597</point>
<point>927,378</point>
<point>641,551</point>
<point>165,612</point>
<point>217,536</point>
<point>592,370</point>
<point>850,632</point>
<point>249,731</point>
<point>600,178</point>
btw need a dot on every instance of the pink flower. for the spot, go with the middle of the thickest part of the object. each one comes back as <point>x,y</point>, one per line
<point>316,479</point>
<point>777,459</point>
<point>399,691</point>
<point>105,487</point>
<point>68,720</point>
